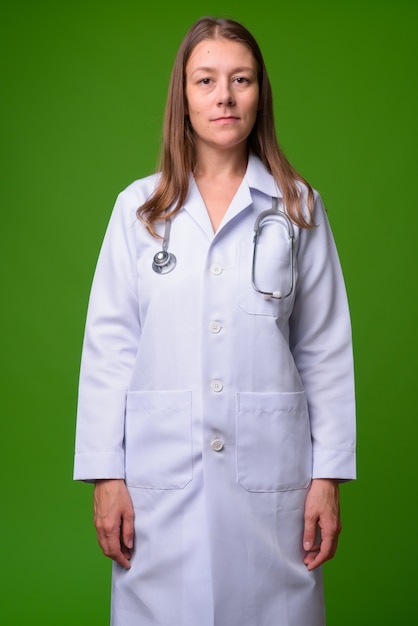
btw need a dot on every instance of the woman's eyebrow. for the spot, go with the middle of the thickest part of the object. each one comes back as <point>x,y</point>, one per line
<point>241,68</point>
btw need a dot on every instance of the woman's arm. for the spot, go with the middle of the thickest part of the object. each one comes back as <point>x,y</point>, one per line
<point>322,522</point>
<point>320,340</point>
<point>110,345</point>
<point>114,520</point>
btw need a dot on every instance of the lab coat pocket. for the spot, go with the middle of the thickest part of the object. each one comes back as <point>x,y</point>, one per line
<point>273,272</point>
<point>158,439</point>
<point>274,448</point>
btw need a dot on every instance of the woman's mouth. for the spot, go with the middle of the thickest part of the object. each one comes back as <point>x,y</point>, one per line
<point>227,119</point>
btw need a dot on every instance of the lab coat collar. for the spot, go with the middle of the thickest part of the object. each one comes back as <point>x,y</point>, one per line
<point>256,178</point>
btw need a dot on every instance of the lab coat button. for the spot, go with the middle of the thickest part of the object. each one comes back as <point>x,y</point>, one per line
<point>216,269</point>
<point>217,445</point>
<point>216,386</point>
<point>215,327</point>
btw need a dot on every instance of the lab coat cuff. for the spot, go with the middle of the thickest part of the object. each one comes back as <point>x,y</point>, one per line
<point>337,464</point>
<point>90,466</point>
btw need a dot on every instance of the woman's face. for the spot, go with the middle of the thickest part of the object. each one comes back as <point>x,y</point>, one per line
<point>222,93</point>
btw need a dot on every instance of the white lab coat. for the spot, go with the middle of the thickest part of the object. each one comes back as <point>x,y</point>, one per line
<point>218,407</point>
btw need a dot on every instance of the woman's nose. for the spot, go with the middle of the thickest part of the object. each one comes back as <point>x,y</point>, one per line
<point>225,96</point>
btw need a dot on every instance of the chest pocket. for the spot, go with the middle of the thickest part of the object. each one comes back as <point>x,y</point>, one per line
<point>273,271</point>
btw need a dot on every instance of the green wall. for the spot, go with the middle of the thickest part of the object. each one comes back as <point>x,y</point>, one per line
<point>83,90</point>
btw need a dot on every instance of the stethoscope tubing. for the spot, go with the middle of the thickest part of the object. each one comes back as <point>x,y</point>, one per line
<point>164,261</point>
<point>274,212</point>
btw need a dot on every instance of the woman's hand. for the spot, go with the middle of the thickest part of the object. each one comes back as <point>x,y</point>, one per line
<point>322,512</point>
<point>114,520</point>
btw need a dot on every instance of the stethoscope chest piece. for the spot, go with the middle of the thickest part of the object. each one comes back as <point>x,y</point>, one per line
<point>163,262</point>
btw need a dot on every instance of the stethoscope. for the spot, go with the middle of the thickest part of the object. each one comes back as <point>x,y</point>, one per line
<point>164,261</point>
<point>261,221</point>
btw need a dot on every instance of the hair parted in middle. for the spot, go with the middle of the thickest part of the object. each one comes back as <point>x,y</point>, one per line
<point>178,155</point>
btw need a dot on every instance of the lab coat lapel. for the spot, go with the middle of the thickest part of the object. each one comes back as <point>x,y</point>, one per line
<point>196,208</point>
<point>256,178</point>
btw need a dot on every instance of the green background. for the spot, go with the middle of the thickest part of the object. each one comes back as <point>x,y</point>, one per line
<point>83,92</point>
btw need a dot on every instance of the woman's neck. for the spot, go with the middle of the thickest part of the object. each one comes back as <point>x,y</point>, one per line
<point>217,165</point>
<point>218,179</point>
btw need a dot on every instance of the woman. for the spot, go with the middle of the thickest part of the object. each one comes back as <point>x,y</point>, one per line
<point>216,403</point>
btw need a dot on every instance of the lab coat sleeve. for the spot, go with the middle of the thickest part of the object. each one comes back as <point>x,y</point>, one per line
<point>320,338</point>
<point>109,348</point>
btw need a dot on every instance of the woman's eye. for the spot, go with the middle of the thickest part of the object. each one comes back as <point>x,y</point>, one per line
<point>241,80</point>
<point>205,81</point>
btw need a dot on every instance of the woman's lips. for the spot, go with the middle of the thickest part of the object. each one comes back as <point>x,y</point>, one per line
<point>227,119</point>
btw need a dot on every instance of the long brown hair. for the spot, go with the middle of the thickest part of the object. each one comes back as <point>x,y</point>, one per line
<point>178,155</point>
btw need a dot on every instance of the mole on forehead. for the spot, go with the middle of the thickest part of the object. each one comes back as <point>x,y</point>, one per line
<point>210,49</point>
